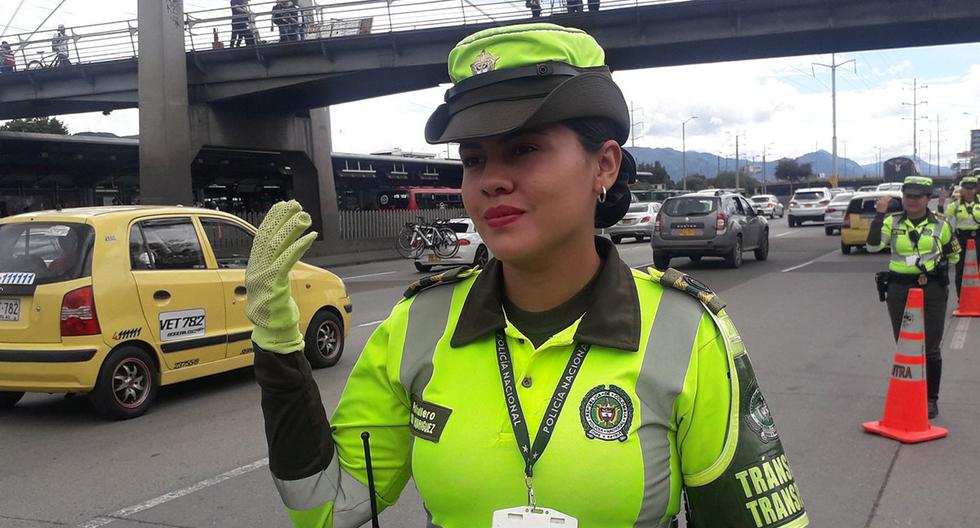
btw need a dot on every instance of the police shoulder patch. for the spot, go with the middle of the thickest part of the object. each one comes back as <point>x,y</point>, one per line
<point>447,277</point>
<point>690,286</point>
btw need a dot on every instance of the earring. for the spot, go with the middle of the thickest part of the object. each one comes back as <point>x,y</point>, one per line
<point>602,197</point>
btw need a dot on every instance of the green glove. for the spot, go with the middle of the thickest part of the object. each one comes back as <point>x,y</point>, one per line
<point>277,247</point>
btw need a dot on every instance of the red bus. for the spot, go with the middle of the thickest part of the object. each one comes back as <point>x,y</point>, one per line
<point>413,198</point>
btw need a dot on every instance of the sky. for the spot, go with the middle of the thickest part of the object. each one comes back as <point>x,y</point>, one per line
<point>781,106</point>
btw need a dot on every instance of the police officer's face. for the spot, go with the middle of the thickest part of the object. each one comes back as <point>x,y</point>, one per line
<point>968,193</point>
<point>915,204</point>
<point>533,194</point>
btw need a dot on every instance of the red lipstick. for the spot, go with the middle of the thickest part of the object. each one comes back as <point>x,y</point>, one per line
<point>502,215</point>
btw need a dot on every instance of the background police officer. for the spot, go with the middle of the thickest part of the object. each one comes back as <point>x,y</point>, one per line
<point>964,217</point>
<point>922,243</point>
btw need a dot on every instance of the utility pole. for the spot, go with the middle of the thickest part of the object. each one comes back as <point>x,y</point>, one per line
<point>878,163</point>
<point>736,159</point>
<point>718,170</point>
<point>633,124</point>
<point>833,97</point>
<point>684,150</point>
<point>915,116</point>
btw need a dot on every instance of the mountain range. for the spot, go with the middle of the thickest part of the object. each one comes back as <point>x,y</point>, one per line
<point>708,164</point>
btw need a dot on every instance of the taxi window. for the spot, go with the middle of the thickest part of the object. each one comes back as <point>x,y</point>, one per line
<point>53,251</point>
<point>230,243</point>
<point>165,244</point>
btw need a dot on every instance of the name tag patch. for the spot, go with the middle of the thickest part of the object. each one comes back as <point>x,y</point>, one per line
<point>428,419</point>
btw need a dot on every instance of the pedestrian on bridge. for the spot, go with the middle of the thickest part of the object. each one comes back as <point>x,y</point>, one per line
<point>8,62</point>
<point>964,216</point>
<point>59,45</point>
<point>285,15</point>
<point>637,385</point>
<point>241,24</point>
<point>922,246</point>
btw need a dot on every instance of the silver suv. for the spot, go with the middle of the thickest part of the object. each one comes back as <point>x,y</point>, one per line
<point>808,204</point>
<point>708,224</point>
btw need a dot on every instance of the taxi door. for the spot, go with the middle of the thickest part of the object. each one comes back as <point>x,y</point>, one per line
<point>230,244</point>
<point>181,298</point>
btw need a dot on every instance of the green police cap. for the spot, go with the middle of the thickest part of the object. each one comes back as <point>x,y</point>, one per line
<point>517,77</point>
<point>969,182</point>
<point>917,185</point>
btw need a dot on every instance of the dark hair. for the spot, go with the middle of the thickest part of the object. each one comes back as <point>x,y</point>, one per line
<point>592,132</point>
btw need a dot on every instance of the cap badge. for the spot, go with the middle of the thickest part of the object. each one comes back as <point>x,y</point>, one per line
<point>483,63</point>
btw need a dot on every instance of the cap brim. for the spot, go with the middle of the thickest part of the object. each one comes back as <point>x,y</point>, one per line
<point>586,95</point>
<point>915,189</point>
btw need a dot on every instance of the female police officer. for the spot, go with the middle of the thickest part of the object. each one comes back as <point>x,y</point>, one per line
<point>964,217</point>
<point>557,377</point>
<point>922,244</point>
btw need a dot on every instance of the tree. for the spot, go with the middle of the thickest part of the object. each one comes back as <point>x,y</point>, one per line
<point>696,182</point>
<point>790,170</point>
<point>726,180</point>
<point>42,125</point>
<point>658,174</point>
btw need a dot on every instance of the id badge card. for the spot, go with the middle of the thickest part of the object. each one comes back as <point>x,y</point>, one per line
<point>911,260</point>
<point>528,517</point>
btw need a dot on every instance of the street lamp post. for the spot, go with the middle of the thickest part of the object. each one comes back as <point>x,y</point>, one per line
<point>684,151</point>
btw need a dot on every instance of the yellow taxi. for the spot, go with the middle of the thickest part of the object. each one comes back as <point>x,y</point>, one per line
<point>860,212</point>
<point>118,301</point>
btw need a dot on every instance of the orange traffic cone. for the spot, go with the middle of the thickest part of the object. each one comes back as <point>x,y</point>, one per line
<point>905,417</point>
<point>970,290</point>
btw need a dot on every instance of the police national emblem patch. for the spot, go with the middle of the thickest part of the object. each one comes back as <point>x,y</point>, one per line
<point>758,417</point>
<point>484,63</point>
<point>606,413</point>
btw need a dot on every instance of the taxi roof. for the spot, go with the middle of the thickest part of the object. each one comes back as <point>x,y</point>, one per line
<point>110,211</point>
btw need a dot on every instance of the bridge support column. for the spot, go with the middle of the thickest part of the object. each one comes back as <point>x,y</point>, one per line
<point>165,148</point>
<point>304,143</point>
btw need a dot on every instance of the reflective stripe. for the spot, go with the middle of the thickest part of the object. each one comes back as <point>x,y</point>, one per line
<point>924,258</point>
<point>351,502</point>
<point>427,323</point>
<point>660,381</point>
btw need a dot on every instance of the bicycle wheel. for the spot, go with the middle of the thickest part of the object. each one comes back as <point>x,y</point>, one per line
<point>447,243</point>
<point>35,65</point>
<point>407,244</point>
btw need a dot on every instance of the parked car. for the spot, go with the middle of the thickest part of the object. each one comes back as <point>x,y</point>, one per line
<point>833,215</point>
<point>118,301</point>
<point>860,213</point>
<point>698,225</point>
<point>636,224</point>
<point>808,205</point>
<point>472,250</point>
<point>768,205</point>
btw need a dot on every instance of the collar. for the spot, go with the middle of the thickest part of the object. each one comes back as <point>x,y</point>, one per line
<point>930,218</point>
<point>613,318</point>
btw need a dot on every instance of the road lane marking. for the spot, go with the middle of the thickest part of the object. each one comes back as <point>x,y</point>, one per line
<point>173,495</point>
<point>807,263</point>
<point>784,234</point>
<point>369,275</point>
<point>960,334</point>
<point>372,323</point>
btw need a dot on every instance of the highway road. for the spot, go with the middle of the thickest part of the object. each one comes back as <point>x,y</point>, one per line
<point>820,343</point>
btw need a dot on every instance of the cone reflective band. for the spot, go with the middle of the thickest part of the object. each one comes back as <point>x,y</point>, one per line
<point>905,417</point>
<point>970,289</point>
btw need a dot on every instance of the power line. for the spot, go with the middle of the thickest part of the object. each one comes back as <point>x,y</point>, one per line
<point>16,10</point>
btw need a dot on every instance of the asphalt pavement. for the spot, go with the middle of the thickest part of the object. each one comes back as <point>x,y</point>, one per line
<point>819,339</point>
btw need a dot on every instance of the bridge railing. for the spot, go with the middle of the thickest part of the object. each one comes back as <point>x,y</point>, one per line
<point>319,19</point>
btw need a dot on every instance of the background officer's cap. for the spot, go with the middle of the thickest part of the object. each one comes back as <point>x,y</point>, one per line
<point>917,185</point>
<point>969,182</point>
<point>525,76</point>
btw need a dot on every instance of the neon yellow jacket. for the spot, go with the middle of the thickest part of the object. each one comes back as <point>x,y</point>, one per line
<point>935,242</point>
<point>427,388</point>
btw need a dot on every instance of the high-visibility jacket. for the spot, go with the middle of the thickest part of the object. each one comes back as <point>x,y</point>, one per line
<point>935,244</point>
<point>664,400</point>
<point>964,216</point>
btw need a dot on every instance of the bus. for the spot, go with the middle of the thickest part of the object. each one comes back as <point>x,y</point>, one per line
<point>414,198</point>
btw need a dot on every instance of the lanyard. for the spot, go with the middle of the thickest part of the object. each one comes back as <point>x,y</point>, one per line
<point>532,453</point>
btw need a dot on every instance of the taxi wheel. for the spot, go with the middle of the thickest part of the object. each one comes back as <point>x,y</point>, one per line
<point>9,399</point>
<point>845,249</point>
<point>324,340</point>
<point>127,384</point>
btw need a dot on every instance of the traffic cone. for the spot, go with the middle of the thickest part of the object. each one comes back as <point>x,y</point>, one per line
<point>970,290</point>
<point>905,417</point>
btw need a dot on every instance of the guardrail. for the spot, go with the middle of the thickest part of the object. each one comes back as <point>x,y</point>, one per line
<point>372,225</point>
<point>213,29</point>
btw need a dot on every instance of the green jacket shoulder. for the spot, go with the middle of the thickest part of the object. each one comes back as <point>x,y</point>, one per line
<point>689,285</point>
<point>451,276</point>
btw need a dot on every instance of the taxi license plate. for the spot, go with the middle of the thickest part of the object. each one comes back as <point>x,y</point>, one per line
<point>9,309</point>
<point>688,232</point>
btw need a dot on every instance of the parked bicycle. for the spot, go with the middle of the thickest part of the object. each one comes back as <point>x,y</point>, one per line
<point>47,60</point>
<point>415,238</point>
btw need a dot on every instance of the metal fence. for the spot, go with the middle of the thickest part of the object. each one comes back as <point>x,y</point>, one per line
<point>373,225</point>
<point>319,19</point>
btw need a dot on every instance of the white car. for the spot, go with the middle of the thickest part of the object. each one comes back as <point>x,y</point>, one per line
<point>768,205</point>
<point>833,215</point>
<point>808,204</point>
<point>472,250</point>
<point>889,186</point>
<point>636,224</point>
